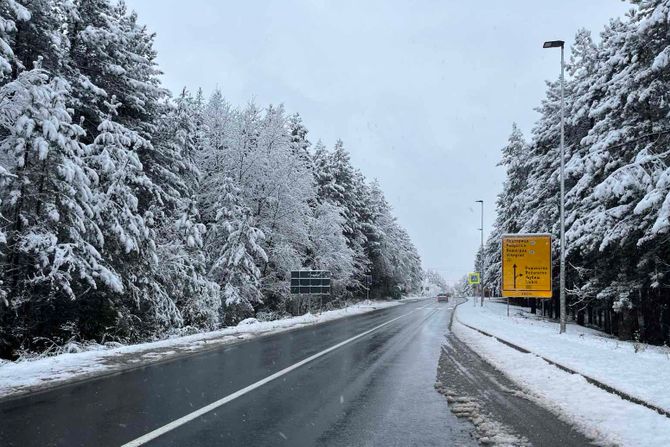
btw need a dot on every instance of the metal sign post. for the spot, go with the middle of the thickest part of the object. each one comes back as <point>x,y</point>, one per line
<point>474,278</point>
<point>563,311</point>
<point>481,256</point>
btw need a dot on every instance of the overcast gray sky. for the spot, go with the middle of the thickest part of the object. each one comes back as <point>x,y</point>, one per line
<point>423,93</point>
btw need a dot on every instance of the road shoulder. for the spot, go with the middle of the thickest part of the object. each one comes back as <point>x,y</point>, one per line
<point>600,415</point>
<point>501,412</point>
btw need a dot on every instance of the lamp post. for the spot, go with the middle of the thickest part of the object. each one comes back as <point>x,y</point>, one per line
<point>563,317</point>
<point>481,255</point>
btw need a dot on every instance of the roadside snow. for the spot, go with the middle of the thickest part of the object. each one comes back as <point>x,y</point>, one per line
<point>28,375</point>
<point>597,413</point>
<point>581,349</point>
<point>488,431</point>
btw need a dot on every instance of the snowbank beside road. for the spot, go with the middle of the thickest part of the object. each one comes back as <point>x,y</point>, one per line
<point>17,377</point>
<point>597,413</point>
<point>644,374</point>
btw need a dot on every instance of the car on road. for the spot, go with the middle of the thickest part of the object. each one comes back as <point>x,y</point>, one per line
<point>443,297</point>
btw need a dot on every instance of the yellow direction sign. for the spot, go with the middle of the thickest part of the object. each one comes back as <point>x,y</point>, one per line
<point>526,265</point>
<point>473,278</point>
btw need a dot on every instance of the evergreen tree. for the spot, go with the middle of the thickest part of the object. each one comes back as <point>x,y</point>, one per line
<point>509,206</point>
<point>5,177</point>
<point>11,12</point>
<point>128,236</point>
<point>395,265</point>
<point>51,251</point>
<point>328,249</point>
<point>234,265</point>
<point>338,183</point>
<point>180,232</point>
<point>183,270</point>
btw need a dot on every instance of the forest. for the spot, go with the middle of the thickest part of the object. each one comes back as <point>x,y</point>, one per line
<point>128,213</point>
<point>617,143</point>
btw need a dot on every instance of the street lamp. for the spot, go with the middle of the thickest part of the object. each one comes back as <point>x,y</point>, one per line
<point>481,256</point>
<point>561,44</point>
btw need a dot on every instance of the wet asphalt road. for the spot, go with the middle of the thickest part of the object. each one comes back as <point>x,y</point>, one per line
<point>375,390</point>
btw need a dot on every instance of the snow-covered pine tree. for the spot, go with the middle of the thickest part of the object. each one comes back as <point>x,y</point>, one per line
<point>11,12</point>
<point>493,261</point>
<point>395,265</point>
<point>378,240</point>
<point>182,271</point>
<point>338,183</point>
<point>175,146</point>
<point>540,197</point>
<point>41,37</point>
<point>179,230</point>
<point>5,176</point>
<point>509,205</point>
<point>410,275</point>
<point>583,170</point>
<point>281,192</point>
<point>299,143</point>
<point>328,249</point>
<point>256,148</point>
<point>216,131</point>
<point>234,264</point>
<point>51,261</point>
<point>144,307</point>
<point>629,200</point>
<point>110,54</point>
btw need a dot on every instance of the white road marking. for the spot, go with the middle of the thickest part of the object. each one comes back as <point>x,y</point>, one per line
<point>206,409</point>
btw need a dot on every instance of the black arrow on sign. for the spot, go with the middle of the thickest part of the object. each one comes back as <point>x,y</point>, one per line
<point>515,275</point>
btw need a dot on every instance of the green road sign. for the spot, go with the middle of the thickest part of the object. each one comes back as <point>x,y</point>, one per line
<point>310,282</point>
<point>473,278</point>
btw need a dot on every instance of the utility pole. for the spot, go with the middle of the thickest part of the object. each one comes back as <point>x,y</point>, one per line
<point>481,256</point>
<point>563,310</point>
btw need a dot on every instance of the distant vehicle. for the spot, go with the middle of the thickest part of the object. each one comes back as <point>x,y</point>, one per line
<point>443,297</point>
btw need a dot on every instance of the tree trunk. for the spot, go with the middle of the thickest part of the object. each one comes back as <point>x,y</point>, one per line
<point>651,312</point>
<point>664,316</point>
<point>625,324</point>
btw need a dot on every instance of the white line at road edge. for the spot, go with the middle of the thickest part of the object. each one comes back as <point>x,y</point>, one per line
<point>206,409</point>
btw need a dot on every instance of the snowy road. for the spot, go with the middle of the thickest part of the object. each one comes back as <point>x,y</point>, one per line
<point>364,380</point>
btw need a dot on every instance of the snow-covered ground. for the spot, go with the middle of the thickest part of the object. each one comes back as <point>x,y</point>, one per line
<point>17,377</point>
<point>599,414</point>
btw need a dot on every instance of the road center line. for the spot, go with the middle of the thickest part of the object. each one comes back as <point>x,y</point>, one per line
<point>206,409</point>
